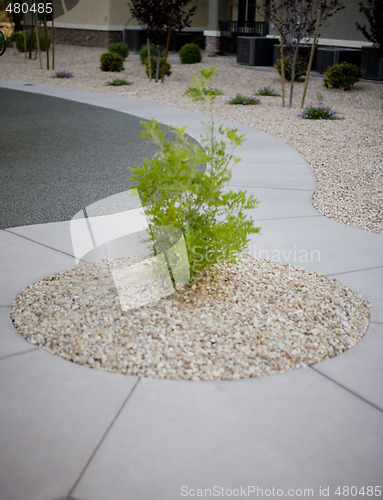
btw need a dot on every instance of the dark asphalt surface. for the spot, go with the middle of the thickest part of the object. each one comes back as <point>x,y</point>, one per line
<point>58,156</point>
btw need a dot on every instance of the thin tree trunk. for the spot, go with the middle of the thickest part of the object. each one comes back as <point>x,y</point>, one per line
<point>30,43</point>
<point>46,37</point>
<point>25,37</point>
<point>295,57</point>
<point>149,58</point>
<point>282,57</point>
<point>38,43</point>
<point>319,18</point>
<point>53,36</point>
<point>158,62</point>
<point>168,37</point>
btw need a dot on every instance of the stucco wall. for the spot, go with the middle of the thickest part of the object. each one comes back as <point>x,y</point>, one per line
<point>113,13</point>
<point>341,26</point>
<point>87,12</point>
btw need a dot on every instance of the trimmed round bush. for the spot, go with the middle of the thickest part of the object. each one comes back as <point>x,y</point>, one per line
<point>119,48</point>
<point>110,61</point>
<point>300,68</point>
<point>190,53</point>
<point>342,76</point>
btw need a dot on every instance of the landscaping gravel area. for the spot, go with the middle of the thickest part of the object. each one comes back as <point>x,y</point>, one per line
<point>346,155</point>
<point>256,317</point>
<point>253,318</point>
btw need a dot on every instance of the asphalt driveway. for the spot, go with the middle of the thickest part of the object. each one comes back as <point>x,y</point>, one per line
<point>58,156</point>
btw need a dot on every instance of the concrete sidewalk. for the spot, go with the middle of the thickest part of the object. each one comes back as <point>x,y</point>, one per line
<point>75,433</point>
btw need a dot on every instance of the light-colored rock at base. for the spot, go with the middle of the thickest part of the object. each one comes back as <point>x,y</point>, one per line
<point>248,319</point>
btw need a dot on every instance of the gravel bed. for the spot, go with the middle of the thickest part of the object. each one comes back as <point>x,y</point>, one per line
<point>346,156</point>
<point>248,319</point>
<point>256,317</point>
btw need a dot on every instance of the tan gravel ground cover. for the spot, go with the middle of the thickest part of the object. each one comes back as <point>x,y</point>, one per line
<point>253,318</point>
<point>257,317</point>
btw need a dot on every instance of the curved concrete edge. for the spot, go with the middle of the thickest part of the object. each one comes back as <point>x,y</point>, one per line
<point>197,433</point>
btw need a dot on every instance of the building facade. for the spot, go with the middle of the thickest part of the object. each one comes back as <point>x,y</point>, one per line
<point>99,22</point>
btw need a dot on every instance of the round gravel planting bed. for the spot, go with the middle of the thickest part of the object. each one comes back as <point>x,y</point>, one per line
<point>244,320</point>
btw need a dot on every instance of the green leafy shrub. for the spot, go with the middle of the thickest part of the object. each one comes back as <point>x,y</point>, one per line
<point>194,93</point>
<point>11,39</point>
<point>267,91</point>
<point>319,112</point>
<point>300,68</point>
<point>110,61</point>
<point>119,48</point>
<point>201,90</point>
<point>45,42</point>
<point>119,82</point>
<point>153,59</point>
<point>342,76</point>
<point>245,101</point>
<point>16,35</point>
<point>190,53</point>
<point>178,193</point>
<point>143,52</point>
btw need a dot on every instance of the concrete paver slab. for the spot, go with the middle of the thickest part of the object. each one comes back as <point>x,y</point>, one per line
<point>53,415</point>
<point>24,262</point>
<point>54,235</point>
<point>10,341</point>
<point>317,243</point>
<point>264,153</point>
<point>368,283</point>
<point>285,431</point>
<point>361,368</point>
<point>296,203</point>
<point>276,175</point>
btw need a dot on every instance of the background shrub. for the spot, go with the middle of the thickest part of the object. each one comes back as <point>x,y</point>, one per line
<point>119,82</point>
<point>119,48</point>
<point>31,42</point>
<point>300,68</point>
<point>190,53</point>
<point>342,76</point>
<point>244,100</point>
<point>110,61</point>
<point>168,71</point>
<point>64,74</point>
<point>267,91</point>
<point>11,40</point>
<point>319,112</point>
<point>143,52</point>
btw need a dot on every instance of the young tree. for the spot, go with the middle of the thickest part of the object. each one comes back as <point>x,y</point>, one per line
<point>373,10</point>
<point>178,17</point>
<point>298,22</point>
<point>156,15</point>
<point>152,14</point>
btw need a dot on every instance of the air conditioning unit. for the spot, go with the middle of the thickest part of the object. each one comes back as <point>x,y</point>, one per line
<point>246,50</point>
<point>255,50</point>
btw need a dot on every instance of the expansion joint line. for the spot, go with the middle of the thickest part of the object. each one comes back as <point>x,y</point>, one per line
<point>347,389</point>
<point>68,495</point>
